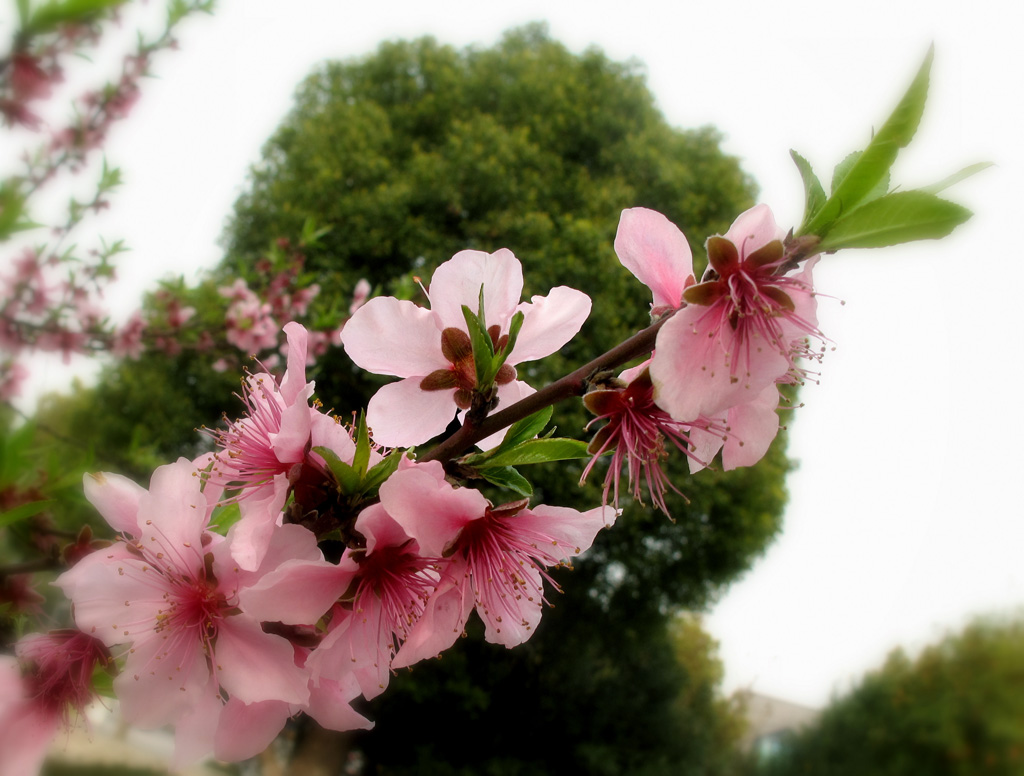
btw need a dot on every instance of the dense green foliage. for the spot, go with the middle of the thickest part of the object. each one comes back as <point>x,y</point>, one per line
<point>956,710</point>
<point>411,155</point>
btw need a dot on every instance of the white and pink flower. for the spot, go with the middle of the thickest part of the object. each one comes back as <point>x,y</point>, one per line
<point>431,351</point>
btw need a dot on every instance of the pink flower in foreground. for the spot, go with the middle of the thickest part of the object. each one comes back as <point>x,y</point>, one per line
<point>736,335</point>
<point>497,557</point>
<point>635,431</point>
<point>431,351</point>
<point>170,592</point>
<point>743,433</point>
<point>275,433</point>
<point>34,702</point>
<point>393,585</point>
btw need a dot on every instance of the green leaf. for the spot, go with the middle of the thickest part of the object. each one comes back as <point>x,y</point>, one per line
<point>103,682</point>
<point>361,460</point>
<point>483,348</point>
<point>843,169</point>
<point>509,479</point>
<point>55,13</point>
<point>538,451</point>
<point>814,194</point>
<point>525,429</point>
<point>349,480</point>
<point>225,517</point>
<point>873,164</point>
<point>513,334</point>
<point>23,512</point>
<point>956,177</point>
<point>896,218</point>
<point>379,473</point>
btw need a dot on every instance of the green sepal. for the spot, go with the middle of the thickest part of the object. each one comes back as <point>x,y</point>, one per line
<point>876,160</point>
<point>23,512</point>
<point>814,194</point>
<point>508,478</point>
<point>900,217</point>
<point>536,451</point>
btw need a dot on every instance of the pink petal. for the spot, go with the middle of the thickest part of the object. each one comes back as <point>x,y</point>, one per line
<point>512,628</point>
<point>443,620</point>
<point>402,414</point>
<point>753,426</point>
<point>549,322</point>
<point>116,498</point>
<point>691,368</point>
<point>256,666</point>
<point>174,514</point>
<point>380,529</point>
<point>25,734</point>
<point>429,510</point>
<point>327,432</point>
<point>161,680</point>
<point>290,441</point>
<point>656,252</point>
<point>457,282</point>
<point>573,531</point>
<point>754,229</point>
<point>298,592</point>
<point>195,730</point>
<point>389,336</point>
<point>261,515</point>
<point>245,730</point>
<point>295,376</point>
<point>329,704</point>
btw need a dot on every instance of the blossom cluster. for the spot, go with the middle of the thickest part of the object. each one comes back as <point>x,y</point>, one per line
<point>301,563</point>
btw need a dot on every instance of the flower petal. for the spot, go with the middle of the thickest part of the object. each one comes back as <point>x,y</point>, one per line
<point>389,336</point>
<point>116,498</point>
<point>245,730</point>
<point>256,666</point>
<point>298,592</point>
<point>549,322</point>
<point>457,282</point>
<point>656,252</point>
<point>753,229</point>
<point>402,414</point>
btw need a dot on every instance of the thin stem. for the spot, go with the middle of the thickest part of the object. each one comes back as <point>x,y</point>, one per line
<point>573,384</point>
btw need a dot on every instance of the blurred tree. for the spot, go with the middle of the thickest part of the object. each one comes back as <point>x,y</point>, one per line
<point>411,155</point>
<point>957,710</point>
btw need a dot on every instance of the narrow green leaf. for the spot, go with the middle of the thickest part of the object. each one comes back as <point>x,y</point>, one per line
<point>843,169</point>
<point>903,216</point>
<point>23,512</point>
<point>513,334</point>
<point>877,158</point>
<point>362,457</point>
<point>483,348</point>
<point>508,478</point>
<point>379,473</point>
<point>525,429</point>
<point>814,194</point>
<point>539,451</point>
<point>956,177</point>
<point>349,480</point>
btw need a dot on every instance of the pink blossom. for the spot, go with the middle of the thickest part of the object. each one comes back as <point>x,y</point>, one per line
<point>497,556</point>
<point>392,586</point>
<point>274,435</point>
<point>359,295</point>
<point>735,337</point>
<point>34,702</point>
<point>743,433</point>
<point>431,351</point>
<point>127,341</point>
<point>635,431</point>
<point>170,592</point>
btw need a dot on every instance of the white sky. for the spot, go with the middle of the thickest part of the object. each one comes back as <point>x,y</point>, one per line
<point>904,518</point>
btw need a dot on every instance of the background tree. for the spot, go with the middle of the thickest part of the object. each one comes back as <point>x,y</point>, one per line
<point>409,156</point>
<point>955,710</point>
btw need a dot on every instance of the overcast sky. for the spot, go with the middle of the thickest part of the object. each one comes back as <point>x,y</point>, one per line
<point>905,516</point>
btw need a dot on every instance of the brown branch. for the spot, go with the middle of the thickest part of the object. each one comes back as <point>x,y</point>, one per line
<point>573,384</point>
